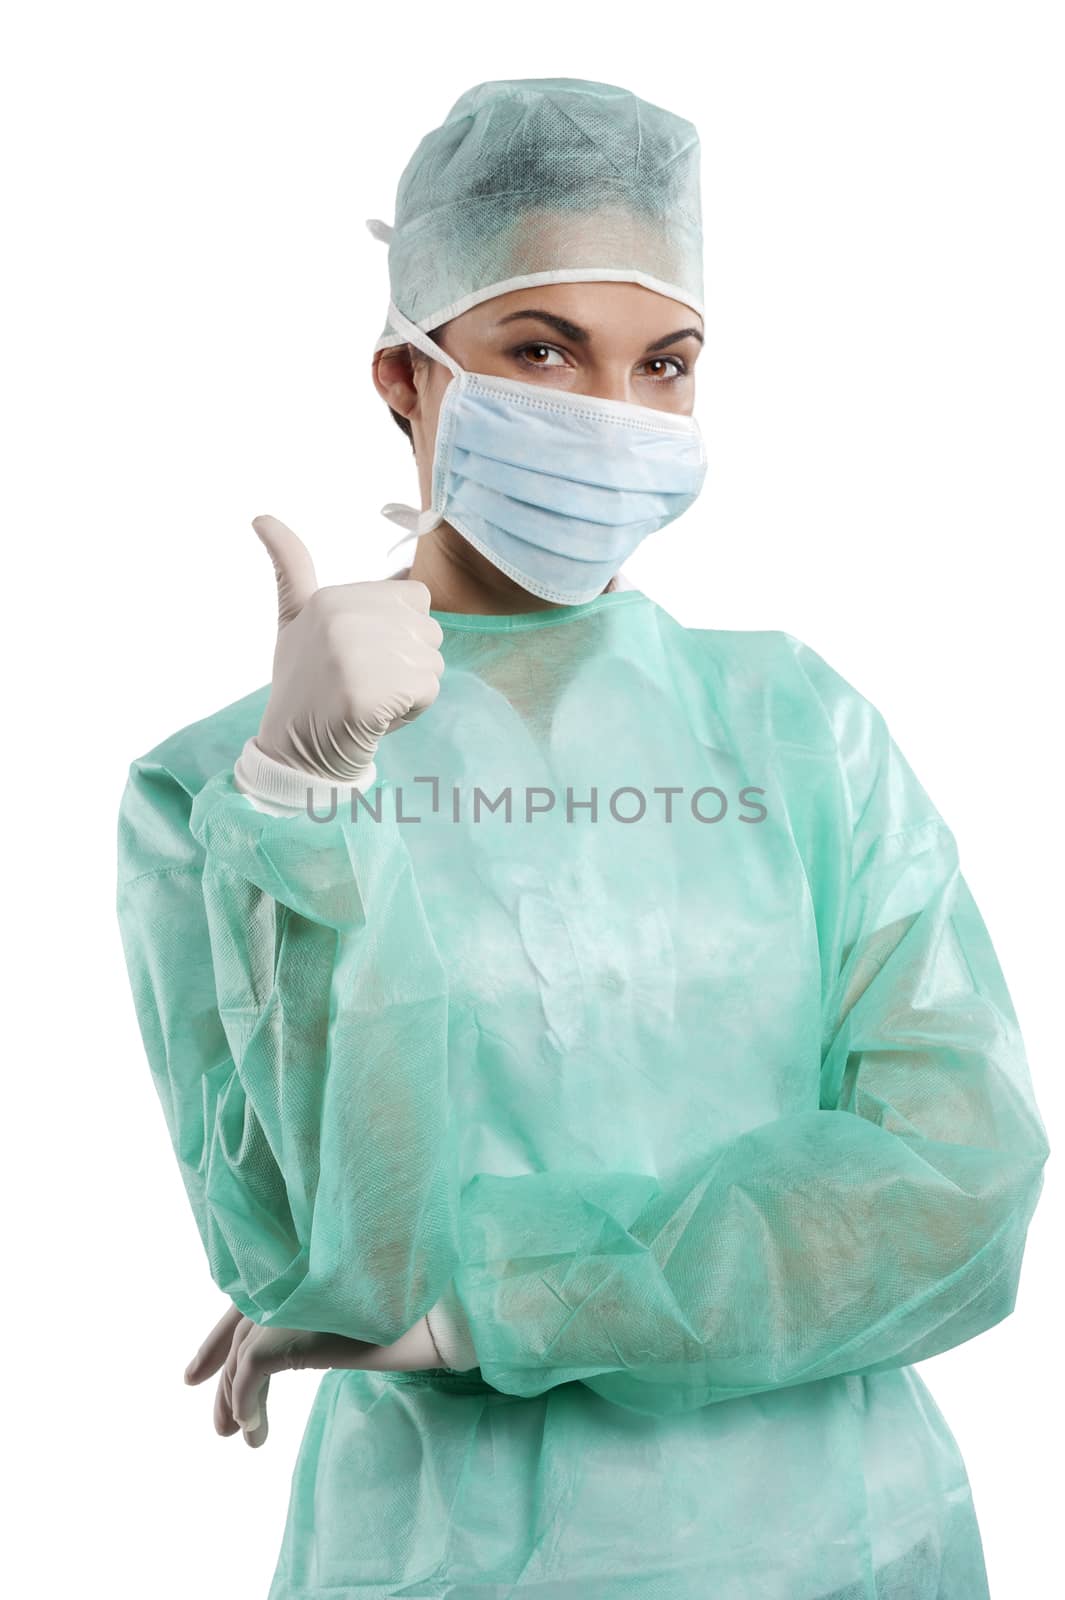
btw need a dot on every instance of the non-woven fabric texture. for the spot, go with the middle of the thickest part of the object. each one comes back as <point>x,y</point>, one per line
<point>542,180</point>
<point>680,1063</point>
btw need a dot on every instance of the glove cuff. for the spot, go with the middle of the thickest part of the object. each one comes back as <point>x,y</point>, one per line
<point>449,1330</point>
<point>282,791</point>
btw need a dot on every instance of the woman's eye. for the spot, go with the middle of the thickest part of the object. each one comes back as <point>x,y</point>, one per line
<point>544,356</point>
<point>663,361</point>
<point>539,350</point>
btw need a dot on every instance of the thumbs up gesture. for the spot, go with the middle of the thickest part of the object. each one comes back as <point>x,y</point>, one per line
<point>352,662</point>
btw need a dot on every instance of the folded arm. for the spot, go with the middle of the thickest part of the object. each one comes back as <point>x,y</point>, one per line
<point>879,1228</point>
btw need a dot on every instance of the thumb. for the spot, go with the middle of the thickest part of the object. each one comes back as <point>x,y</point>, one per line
<point>293,567</point>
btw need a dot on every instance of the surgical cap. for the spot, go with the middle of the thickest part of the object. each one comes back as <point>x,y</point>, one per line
<point>544,180</point>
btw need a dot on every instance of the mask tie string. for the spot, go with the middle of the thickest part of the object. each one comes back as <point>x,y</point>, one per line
<point>416,522</point>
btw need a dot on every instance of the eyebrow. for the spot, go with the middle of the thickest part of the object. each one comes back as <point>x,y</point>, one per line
<point>579,335</point>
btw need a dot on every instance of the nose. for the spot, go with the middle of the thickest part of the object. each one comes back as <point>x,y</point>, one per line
<point>610,385</point>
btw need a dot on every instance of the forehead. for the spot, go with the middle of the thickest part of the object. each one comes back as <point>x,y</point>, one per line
<point>602,308</point>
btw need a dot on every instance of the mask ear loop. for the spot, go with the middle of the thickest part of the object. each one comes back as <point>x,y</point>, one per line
<point>409,517</point>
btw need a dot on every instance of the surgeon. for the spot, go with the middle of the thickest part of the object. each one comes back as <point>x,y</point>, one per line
<point>574,1030</point>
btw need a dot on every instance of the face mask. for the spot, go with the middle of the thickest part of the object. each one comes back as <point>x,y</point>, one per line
<point>555,489</point>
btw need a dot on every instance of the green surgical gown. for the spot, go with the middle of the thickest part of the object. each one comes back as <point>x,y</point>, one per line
<point>642,1010</point>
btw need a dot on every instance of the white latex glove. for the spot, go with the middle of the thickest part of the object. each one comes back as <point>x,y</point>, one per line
<point>352,662</point>
<point>249,1355</point>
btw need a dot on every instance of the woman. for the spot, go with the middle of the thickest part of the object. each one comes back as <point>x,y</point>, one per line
<point>574,1029</point>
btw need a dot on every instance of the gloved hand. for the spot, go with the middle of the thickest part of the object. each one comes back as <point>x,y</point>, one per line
<point>251,1355</point>
<point>353,661</point>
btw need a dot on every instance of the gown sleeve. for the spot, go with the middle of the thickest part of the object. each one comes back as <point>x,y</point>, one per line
<point>293,1009</point>
<point>881,1227</point>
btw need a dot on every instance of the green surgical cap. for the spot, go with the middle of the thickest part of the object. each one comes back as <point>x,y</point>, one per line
<point>544,180</point>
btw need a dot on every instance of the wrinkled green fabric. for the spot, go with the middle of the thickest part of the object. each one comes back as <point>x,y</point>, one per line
<point>713,1128</point>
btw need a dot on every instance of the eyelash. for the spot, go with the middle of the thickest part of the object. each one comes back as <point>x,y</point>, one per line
<point>539,344</point>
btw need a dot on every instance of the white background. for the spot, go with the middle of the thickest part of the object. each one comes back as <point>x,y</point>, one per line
<point>191,302</point>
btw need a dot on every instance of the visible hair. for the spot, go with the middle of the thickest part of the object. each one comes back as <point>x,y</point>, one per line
<point>418,358</point>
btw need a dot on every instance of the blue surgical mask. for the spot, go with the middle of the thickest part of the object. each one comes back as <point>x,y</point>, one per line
<point>555,489</point>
